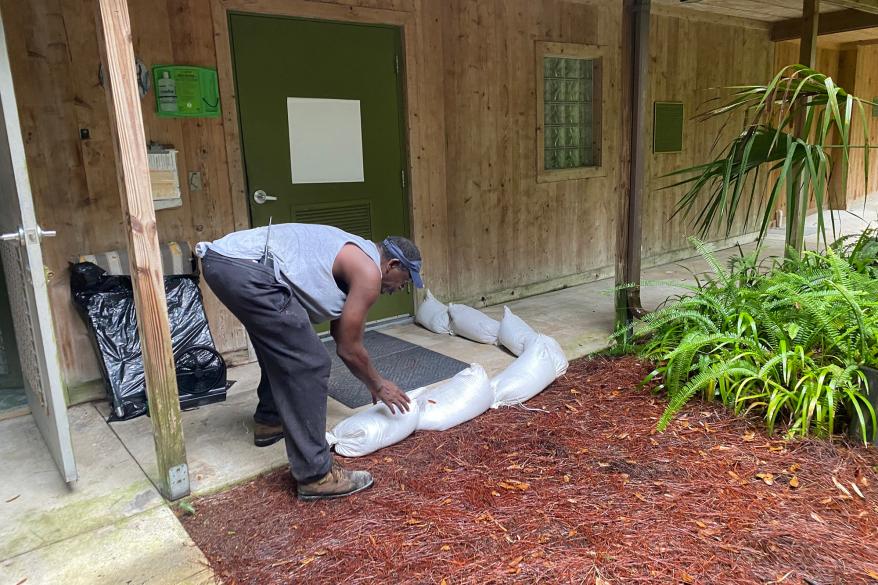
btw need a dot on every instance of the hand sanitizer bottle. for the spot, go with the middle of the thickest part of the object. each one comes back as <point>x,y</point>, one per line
<point>167,91</point>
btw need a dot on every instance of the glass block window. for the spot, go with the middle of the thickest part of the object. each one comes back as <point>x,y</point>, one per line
<point>569,109</point>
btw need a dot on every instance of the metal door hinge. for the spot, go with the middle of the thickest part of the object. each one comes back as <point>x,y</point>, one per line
<point>178,482</point>
<point>402,178</point>
<point>396,63</point>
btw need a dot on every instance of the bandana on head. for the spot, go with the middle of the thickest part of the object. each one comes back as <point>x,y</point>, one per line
<point>413,266</point>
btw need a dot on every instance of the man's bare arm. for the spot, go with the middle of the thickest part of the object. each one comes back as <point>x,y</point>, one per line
<point>347,330</point>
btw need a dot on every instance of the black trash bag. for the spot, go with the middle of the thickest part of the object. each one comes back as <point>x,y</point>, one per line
<point>106,303</point>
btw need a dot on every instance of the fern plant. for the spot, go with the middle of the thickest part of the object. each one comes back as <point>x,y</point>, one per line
<point>785,340</point>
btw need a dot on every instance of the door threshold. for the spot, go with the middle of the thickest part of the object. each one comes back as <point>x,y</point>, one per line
<point>387,322</point>
<point>379,324</point>
<point>14,412</point>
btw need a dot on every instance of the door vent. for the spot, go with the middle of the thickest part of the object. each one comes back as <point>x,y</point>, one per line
<point>354,218</point>
<point>667,127</point>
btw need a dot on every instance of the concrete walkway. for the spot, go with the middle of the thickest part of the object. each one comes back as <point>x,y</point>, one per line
<point>113,527</point>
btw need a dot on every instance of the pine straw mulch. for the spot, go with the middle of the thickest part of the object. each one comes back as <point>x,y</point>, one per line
<point>580,491</point>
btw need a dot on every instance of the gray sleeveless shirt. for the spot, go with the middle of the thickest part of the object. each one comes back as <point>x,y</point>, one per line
<point>303,255</point>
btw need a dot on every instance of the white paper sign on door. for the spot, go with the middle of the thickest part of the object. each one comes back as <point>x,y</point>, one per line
<point>326,140</point>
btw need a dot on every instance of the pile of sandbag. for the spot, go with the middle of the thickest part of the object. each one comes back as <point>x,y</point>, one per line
<point>465,396</point>
<point>433,315</point>
<point>456,319</point>
<point>538,365</point>
<point>372,429</point>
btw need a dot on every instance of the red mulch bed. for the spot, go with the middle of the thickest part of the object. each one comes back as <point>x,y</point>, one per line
<point>583,492</point>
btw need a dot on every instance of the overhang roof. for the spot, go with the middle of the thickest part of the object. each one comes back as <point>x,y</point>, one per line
<point>841,22</point>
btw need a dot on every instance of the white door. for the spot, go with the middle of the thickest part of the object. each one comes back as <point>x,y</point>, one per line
<point>26,282</point>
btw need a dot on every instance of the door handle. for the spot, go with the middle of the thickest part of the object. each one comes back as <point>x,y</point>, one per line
<point>13,237</point>
<point>261,197</point>
<point>21,236</point>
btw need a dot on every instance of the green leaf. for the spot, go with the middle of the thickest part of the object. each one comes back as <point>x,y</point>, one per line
<point>783,339</point>
<point>790,124</point>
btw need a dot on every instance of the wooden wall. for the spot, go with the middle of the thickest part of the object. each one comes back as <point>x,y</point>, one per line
<point>690,59</point>
<point>533,233</point>
<point>54,56</point>
<point>787,53</point>
<point>854,69</point>
<point>506,230</point>
<point>859,67</point>
<point>488,230</point>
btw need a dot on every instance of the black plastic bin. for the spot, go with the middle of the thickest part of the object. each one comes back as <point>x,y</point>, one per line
<point>106,303</point>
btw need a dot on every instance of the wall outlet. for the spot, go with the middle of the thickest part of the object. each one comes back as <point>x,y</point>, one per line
<point>195,181</point>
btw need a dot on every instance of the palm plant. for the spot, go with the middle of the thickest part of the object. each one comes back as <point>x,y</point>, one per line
<point>794,127</point>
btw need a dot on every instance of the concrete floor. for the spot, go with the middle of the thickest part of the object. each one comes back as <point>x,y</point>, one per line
<point>111,524</point>
<point>113,527</point>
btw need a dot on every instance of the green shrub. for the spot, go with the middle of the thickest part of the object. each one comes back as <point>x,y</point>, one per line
<point>784,340</point>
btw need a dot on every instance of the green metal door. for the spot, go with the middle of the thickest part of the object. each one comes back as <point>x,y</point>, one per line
<point>320,109</point>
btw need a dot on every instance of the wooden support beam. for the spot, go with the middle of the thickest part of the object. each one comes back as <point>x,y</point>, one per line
<point>114,30</point>
<point>830,23</point>
<point>639,120</point>
<point>870,6</point>
<point>622,316</point>
<point>635,109</point>
<point>795,236</point>
<point>808,39</point>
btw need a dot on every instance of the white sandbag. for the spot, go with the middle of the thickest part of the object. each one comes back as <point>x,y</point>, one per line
<point>433,315</point>
<point>463,397</point>
<point>555,351</point>
<point>372,429</point>
<point>514,332</point>
<point>473,324</point>
<point>527,376</point>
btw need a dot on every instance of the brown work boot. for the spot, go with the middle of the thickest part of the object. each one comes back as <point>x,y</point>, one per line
<point>338,483</point>
<point>265,435</point>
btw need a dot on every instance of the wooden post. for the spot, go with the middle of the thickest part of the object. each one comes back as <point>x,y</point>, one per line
<point>114,30</point>
<point>810,18</point>
<point>795,236</point>
<point>639,117</point>
<point>622,316</point>
<point>634,94</point>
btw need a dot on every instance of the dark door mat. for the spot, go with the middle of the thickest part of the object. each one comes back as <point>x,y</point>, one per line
<point>410,366</point>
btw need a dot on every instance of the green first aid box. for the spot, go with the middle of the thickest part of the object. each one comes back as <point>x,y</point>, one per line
<point>186,92</point>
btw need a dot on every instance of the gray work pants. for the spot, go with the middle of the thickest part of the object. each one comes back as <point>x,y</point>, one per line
<point>294,363</point>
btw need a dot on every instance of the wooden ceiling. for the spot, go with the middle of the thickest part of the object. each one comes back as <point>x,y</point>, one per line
<point>763,10</point>
<point>850,37</point>
<point>782,18</point>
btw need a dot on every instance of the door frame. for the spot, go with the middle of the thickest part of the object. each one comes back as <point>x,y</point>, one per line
<point>386,194</point>
<point>405,21</point>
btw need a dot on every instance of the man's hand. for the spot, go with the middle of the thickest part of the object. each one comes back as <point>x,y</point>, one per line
<point>390,394</point>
